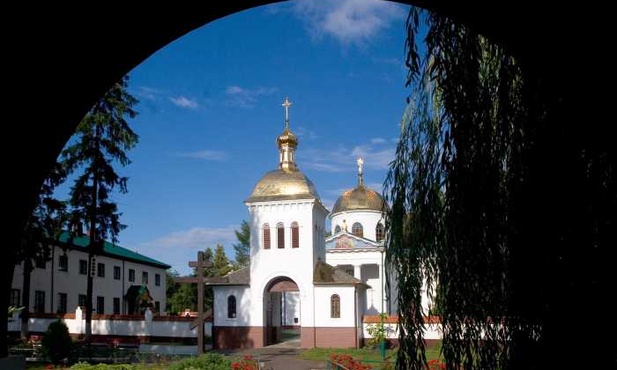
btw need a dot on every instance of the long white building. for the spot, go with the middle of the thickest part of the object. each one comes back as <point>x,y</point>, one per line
<point>121,277</point>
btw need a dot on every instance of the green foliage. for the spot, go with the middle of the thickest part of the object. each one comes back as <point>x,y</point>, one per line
<point>209,361</point>
<point>180,296</point>
<point>242,248</point>
<point>377,332</point>
<point>87,366</point>
<point>362,354</point>
<point>220,263</point>
<point>12,310</point>
<point>482,206</point>
<point>57,344</point>
<point>183,298</point>
<point>100,142</point>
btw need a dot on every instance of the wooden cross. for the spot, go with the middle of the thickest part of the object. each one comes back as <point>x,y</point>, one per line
<point>200,264</point>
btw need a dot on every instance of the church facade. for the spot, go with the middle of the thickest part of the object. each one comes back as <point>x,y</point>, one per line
<point>300,280</point>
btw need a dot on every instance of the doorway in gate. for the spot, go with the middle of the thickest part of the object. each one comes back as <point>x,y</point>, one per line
<point>282,312</point>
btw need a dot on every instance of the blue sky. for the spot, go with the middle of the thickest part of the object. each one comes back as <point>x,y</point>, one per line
<point>210,111</point>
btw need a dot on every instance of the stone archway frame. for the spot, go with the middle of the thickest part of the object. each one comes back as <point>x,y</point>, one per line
<point>273,290</point>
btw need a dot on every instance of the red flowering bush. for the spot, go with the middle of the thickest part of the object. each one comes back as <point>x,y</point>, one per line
<point>247,362</point>
<point>341,361</point>
<point>436,365</point>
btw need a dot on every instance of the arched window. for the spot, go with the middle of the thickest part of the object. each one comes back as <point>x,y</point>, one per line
<point>335,306</point>
<point>379,232</point>
<point>357,229</point>
<point>266,236</point>
<point>231,307</point>
<point>280,235</point>
<point>295,235</point>
<point>337,229</point>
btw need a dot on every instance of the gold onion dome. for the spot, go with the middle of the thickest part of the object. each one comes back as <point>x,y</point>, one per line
<point>287,182</point>
<point>287,137</point>
<point>283,185</point>
<point>359,199</point>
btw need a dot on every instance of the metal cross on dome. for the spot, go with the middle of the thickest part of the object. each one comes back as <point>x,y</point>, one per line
<point>286,104</point>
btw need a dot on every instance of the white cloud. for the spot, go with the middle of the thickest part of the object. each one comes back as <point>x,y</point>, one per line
<point>148,93</point>
<point>197,238</point>
<point>210,155</point>
<point>325,160</point>
<point>246,98</point>
<point>348,21</point>
<point>377,155</point>
<point>183,102</point>
<point>376,158</point>
<point>178,248</point>
<point>305,133</point>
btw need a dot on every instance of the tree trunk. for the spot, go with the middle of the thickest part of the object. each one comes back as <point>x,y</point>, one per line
<point>89,288</point>
<point>25,313</point>
<point>93,245</point>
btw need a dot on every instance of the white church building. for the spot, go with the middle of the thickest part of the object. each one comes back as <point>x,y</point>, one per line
<point>300,280</point>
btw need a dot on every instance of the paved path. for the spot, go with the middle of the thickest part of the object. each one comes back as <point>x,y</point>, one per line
<point>286,359</point>
<point>283,356</point>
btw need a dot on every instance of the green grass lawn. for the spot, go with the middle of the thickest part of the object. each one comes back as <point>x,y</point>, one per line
<point>365,355</point>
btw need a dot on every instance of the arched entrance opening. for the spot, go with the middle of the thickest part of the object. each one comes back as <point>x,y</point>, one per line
<point>282,312</point>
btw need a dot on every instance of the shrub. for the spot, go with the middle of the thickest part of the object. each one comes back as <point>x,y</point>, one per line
<point>342,361</point>
<point>87,366</point>
<point>209,361</point>
<point>247,362</point>
<point>57,344</point>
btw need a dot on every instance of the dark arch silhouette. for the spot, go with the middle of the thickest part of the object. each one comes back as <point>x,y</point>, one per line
<point>59,58</point>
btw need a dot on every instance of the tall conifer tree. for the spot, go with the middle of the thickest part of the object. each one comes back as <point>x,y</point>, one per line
<point>99,145</point>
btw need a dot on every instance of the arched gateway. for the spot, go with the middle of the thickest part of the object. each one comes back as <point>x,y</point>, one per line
<point>282,312</point>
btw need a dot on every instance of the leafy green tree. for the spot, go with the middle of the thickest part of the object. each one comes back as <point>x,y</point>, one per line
<point>220,263</point>
<point>243,247</point>
<point>180,296</point>
<point>482,202</point>
<point>208,272</point>
<point>101,141</point>
<point>183,298</point>
<point>171,285</point>
<point>450,187</point>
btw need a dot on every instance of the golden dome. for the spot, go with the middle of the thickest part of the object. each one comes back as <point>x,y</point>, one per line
<point>359,199</point>
<point>287,137</point>
<point>283,185</point>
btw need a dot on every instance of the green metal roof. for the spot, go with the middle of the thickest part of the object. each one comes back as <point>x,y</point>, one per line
<point>112,250</point>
